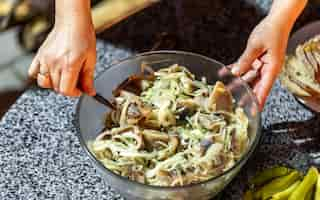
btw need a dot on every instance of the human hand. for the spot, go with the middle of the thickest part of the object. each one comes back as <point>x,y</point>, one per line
<point>66,60</point>
<point>263,57</point>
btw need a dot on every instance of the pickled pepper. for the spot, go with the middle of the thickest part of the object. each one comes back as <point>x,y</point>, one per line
<point>309,195</point>
<point>277,185</point>
<point>283,195</point>
<point>306,185</point>
<point>317,195</point>
<point>269,174</point>
<point>248,195</point>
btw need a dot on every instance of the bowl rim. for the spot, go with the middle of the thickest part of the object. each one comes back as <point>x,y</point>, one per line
<point>103,169</point>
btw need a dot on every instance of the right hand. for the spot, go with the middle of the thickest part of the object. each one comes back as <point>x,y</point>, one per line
<point>263,58</point>
<point>66,60</point>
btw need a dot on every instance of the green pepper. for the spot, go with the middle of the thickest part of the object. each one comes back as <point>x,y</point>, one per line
<point>277,185</point>
<point>283,195</point>
<point>317,195</point>
<point>306,185</point>
<point>248,195</point>
<point>269,174</point>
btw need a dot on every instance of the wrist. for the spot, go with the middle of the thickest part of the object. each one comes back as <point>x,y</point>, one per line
<point>72,12</point>
<point>284,24</point>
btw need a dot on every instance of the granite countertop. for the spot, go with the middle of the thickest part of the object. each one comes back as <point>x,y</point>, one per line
<point>40,155</point>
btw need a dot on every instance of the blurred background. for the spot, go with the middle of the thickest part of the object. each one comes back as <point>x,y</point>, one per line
<point>24,25</point>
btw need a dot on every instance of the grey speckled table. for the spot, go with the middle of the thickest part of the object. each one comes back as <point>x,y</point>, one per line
<point>40,155</point>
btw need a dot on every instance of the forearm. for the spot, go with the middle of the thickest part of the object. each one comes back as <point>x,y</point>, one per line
<point>285,13</point>
<point>73,10</point>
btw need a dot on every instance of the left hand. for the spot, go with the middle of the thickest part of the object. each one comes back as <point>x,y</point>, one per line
<point>263,57</point>
<point>66,60</point>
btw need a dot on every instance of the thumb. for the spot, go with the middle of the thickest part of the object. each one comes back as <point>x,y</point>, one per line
<point>246,60</point>
<point>87,77</point>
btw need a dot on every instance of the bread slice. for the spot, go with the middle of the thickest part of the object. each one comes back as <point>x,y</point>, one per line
<point>301,55</point>
<point>287,79</point>
<point>300,75</point>
<point>292,86</point>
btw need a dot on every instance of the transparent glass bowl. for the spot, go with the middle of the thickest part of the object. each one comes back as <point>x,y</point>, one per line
<point>91,116</point>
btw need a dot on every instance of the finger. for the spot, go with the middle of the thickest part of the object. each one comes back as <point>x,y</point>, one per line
<point>34,68</point>
<point>244,100</point>
<point>234,85</point>
<point>250,76</point>
<point>273,62</point>
<point>248,102</point>
<point>263,87</point>
<point>55,75</point>
<point>256,85</point>
<point>246,60</point>
<point>225,71</point>
<point>87,77</point>
<point>256,91</point>
<point>68,82</point>
<point>44,68</point>
<point>44,81</point>
<point>257,64</point>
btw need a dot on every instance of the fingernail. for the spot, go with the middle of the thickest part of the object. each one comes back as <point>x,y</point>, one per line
<point>235,70</point>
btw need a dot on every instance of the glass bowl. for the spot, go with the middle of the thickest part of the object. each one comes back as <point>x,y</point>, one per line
<point>91,116</point>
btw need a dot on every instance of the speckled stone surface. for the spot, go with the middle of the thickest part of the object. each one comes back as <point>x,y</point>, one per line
<point>40,155</point>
